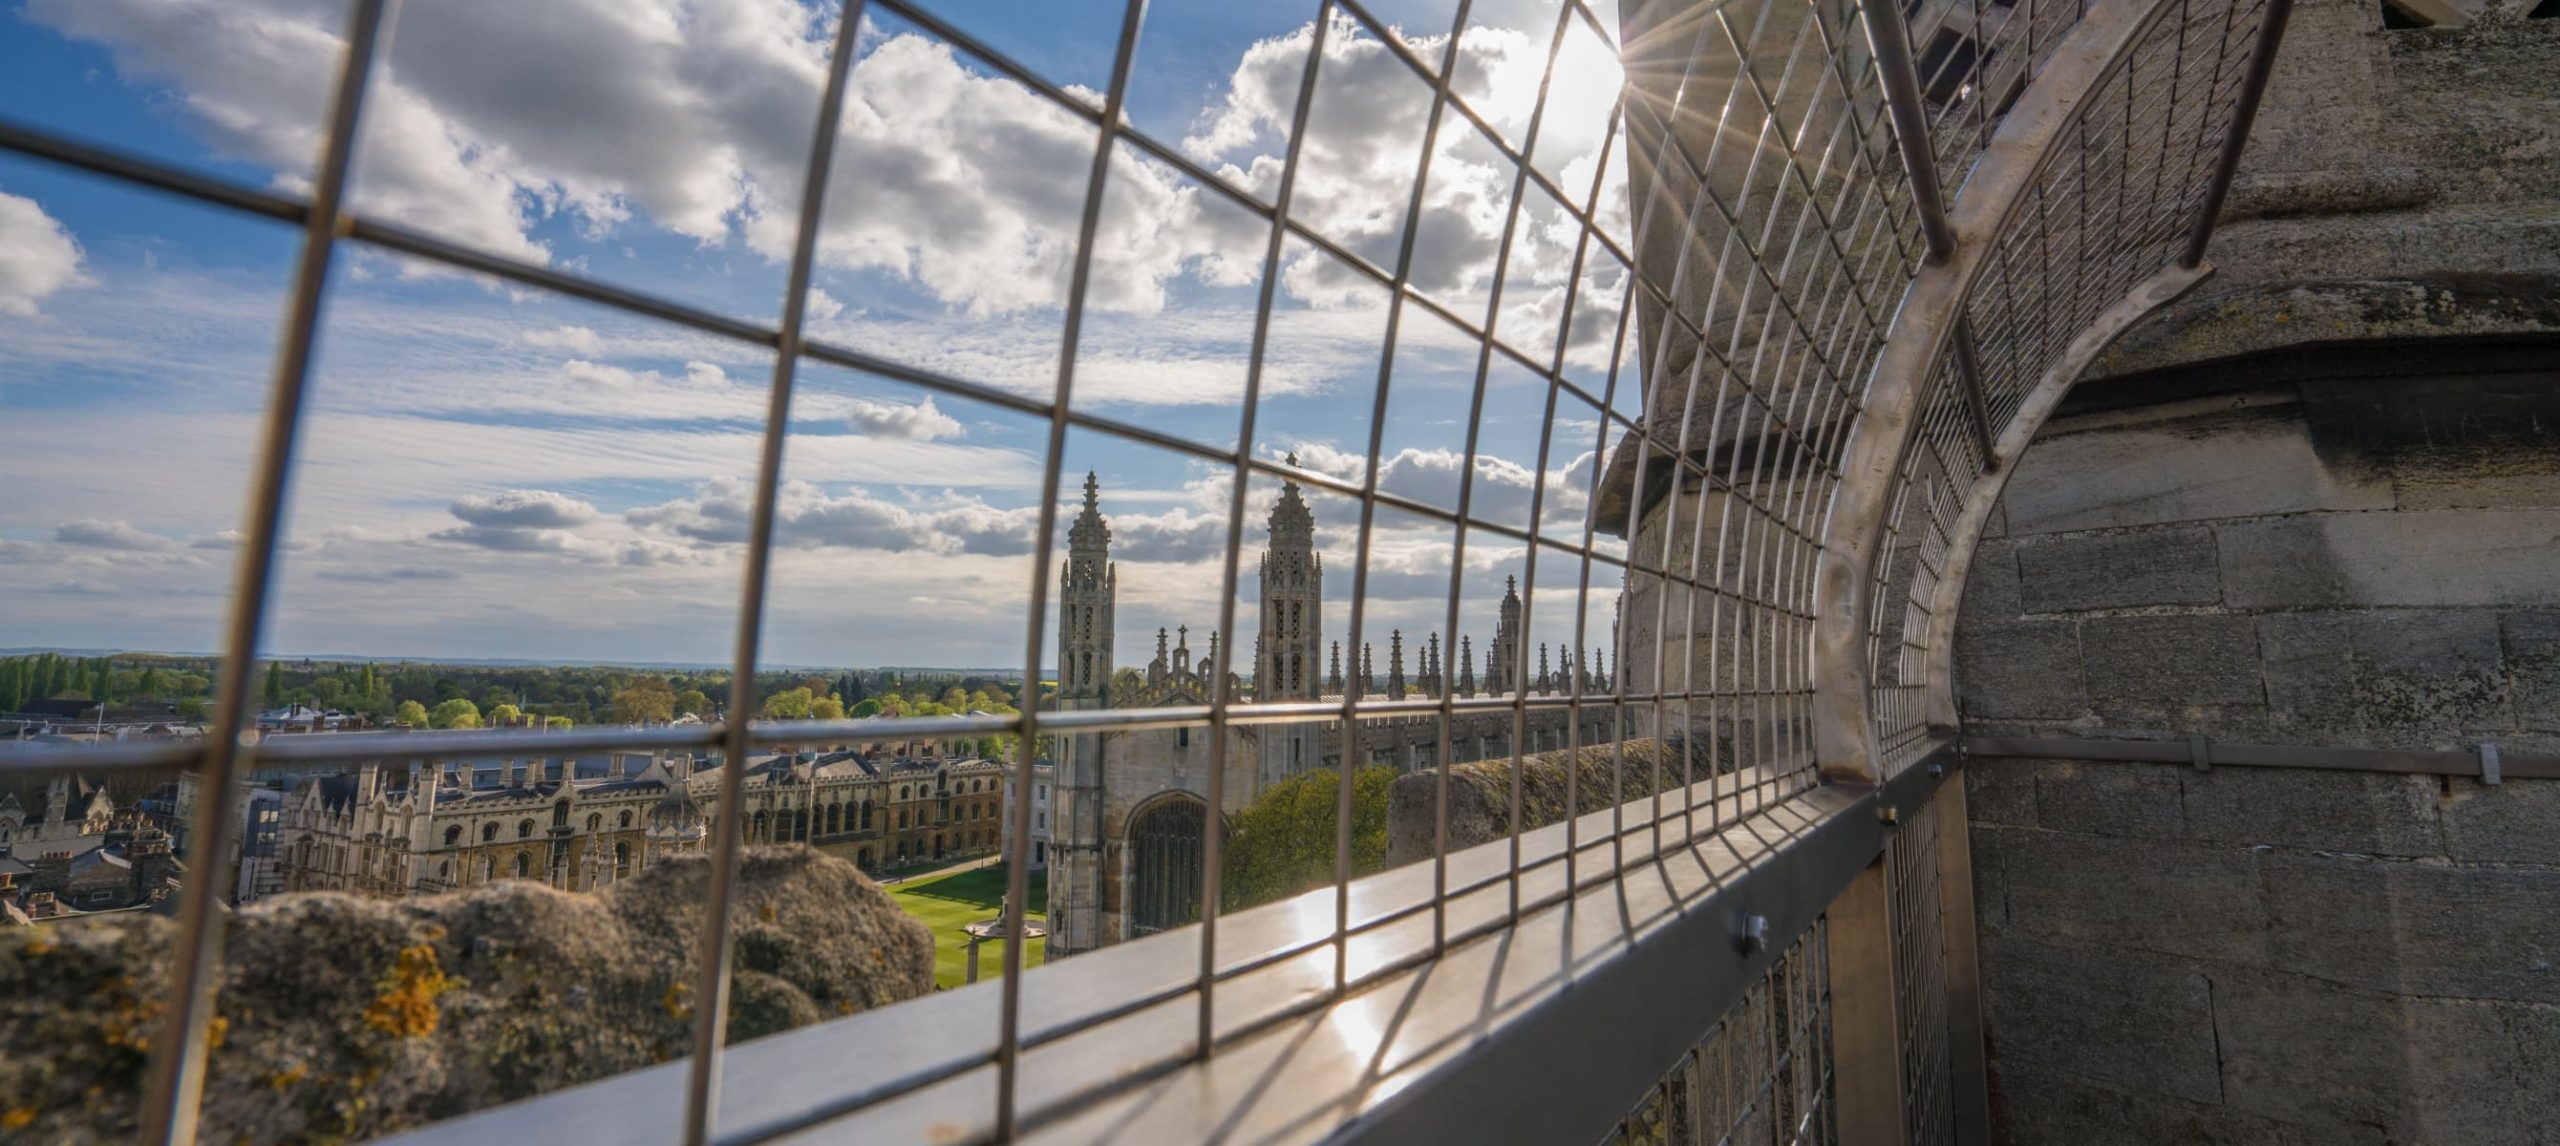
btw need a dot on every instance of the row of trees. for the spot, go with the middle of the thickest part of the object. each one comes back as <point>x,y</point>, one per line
<point>424,694</point>
<point>118,680</point>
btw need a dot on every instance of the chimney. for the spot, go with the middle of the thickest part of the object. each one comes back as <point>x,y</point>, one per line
<point>368,782</point>
<point>613,765</point>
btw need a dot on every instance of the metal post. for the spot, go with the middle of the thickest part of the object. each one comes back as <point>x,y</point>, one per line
<point>1968,1061</point>
<point>2244,113</point>
<point>175,1084</point>
<point>1866,1041</point>
<point>1891,43</point>
<point>1977,409</point>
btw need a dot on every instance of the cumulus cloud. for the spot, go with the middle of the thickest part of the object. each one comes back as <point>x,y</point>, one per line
<point>506,540</point>
<point>579,339</point>
<point>920,422</point>
<point>114,535</point>
<point>807,517</point>
<point>694,117</point>
<point>524,509</point>
<point>1502,492</point>
<point>38,256</point>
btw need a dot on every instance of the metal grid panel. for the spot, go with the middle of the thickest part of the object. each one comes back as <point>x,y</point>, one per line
<point>1913,886</point>
<point>2111,206</point>
<point>1773,238</point>
<point>1778,234</point>
<point>1762,1076</point>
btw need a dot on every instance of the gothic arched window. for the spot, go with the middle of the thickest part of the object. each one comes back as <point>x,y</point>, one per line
<point>453,836</point>
<point>488,833</point>
<point>524,829</point>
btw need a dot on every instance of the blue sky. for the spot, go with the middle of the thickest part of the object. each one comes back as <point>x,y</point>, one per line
<point>493,471</point>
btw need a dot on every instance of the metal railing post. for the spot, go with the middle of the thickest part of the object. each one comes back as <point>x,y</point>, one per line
<point>2235,140</point>
<point>1866,1036</point>
<point>1968,1059</point>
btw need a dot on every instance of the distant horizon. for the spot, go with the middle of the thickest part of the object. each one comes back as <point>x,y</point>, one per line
<point>516,662</point>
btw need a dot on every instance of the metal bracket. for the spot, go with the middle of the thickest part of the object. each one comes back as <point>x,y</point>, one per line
<point>2489,764</point>
<point>2200,752</point>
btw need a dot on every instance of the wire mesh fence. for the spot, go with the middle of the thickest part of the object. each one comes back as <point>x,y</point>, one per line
<point>1671,289</point>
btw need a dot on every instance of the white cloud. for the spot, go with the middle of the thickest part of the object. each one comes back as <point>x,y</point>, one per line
<point>113,535</point>
<point>524,509</point>
<point>38,256</point>
<point>805,516</point>
<point>920,422</point>
<point>577,339</point>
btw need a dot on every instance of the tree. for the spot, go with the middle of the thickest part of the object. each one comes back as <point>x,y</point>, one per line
<point>789,704</point>
<point>410,713</point>
<point>503,715</point>
<point>864,709</point>
<point>826,708</point>
<point>1282,843</point>
<point>647,702</point>
<point>275,684</point>
<point>692,702</point>
<point>558,723</point>
<point>458,712</point>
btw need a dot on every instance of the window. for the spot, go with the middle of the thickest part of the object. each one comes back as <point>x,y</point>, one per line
<point>1182,738</point>
<point>621,860</point>
<point>524,863</point>
<point>626,817</point>
<point>524,829</point>
<point>595,821</point>
<point>453,836</point>
<point>1042,819</point>
<point>488,833</point>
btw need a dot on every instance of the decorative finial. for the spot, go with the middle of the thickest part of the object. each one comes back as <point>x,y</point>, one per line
<point>1092,489</point>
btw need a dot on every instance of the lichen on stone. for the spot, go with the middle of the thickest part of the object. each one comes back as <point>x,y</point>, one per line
<point>343,1018</point>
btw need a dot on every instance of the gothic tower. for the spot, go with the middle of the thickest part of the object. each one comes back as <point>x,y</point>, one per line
<point>1506,642</point>
<point>1292,603</point>
<point>1087,585</point>
<point>1290,651</point>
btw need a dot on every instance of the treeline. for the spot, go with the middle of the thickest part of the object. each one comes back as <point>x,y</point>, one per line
<point>470,696</point>
<point>114,680</point>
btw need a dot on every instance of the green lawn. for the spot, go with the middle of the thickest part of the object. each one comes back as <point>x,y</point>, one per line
<point>948,903</point>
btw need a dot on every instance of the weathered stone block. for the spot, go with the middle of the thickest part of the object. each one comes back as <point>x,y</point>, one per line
<point>2406,677</point>
<point>2439,558</point>
<point>2514,822</point>
<point>2304,1051</point>
<point>2023,669</point>
<point>2481,1073</point>
<point>2184,660</point>
<point>2186,470</point>
<point>2532,646</point>
<point>2039,1107</point>
<point>2000,791</point>
<point>2373,813</point>
<point>2416,928</point>
<point>2118,1018</point>
<point>1991,586</point>
<point>2108,799</point>
<point>2119,570</point>
<point>2181,898</point>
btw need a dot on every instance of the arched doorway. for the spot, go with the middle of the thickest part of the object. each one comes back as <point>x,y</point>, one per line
<point>1164,865</point>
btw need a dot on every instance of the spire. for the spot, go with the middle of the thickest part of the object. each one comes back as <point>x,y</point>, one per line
<point>1466,665</point>
<point>1395,664</point>
<point>1545,682</point>
<point>1600,669</point>
<point>1368,670</point>
<point>1333,678</point>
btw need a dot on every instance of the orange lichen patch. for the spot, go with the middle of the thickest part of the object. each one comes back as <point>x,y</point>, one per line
<point>17,1118</point>
<point>407,1006</point>
<point>679,999</point>
<point>767,913</point>
<point>288,1076</point>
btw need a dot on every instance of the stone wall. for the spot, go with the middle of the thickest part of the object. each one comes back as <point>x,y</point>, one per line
<point>2313,549</point>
